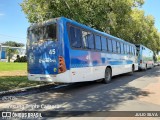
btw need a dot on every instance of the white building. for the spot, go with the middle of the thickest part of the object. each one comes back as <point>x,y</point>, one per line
<point>3,54</point>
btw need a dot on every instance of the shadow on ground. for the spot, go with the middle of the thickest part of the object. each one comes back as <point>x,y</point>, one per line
<point>91,96</point>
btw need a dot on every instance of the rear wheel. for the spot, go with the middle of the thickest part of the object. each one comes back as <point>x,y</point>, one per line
<point>131,73</point>
<point>145,67</point>
<point>108,75</point>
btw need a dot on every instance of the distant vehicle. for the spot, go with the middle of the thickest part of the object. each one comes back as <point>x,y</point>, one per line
<point>64,51</point>
<point>156,64</point>
<point>145,57</point>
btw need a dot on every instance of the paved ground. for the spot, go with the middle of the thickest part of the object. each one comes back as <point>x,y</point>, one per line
<point>140,92</point>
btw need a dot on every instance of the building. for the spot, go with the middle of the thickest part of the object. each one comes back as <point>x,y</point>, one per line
<point>3,54</point>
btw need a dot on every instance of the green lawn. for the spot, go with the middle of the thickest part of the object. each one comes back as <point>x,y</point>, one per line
<point>14,81</point>
<point>10,83</point>
<point>12,66</point>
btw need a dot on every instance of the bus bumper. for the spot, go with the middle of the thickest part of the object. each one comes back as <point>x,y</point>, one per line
<point>59,78</point>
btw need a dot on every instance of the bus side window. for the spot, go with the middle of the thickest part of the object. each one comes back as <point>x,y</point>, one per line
<point>75,37</point>
<point>90,39</point>
<point>84,40</point>
<point>114,46</point>
<point>109,45</point>
<point>130,50</point>
<point>104,43</point>
<point>122,48</point>
<point>118,47</point>
<point>127,49</point>
<point>133,51</point>
<point>97,42</point>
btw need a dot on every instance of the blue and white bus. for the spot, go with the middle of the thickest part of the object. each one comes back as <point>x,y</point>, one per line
<point>145,57</point>
<point>65,51</point>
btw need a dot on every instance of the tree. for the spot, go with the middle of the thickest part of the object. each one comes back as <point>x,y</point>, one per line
<point>120,18</point>
<point>99,14</point>
<point>143,31</point>
<point>10,52</point>
<point>13,44</point>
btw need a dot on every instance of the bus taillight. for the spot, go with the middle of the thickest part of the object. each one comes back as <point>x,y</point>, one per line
<point>62,65</point>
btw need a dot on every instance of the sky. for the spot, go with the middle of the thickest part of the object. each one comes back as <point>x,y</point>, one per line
<point>13,22</point>
<point>152,7</point>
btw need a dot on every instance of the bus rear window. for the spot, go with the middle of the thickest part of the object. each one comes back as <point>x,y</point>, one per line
<point>47,32</point>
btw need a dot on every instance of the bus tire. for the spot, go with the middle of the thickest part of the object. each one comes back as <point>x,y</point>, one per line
<point>132,71</point>
<point>145,67</point>
<point>108,75</point>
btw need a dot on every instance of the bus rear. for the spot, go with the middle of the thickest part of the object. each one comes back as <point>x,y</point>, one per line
<point>44,52</point>
<point>145,57</point>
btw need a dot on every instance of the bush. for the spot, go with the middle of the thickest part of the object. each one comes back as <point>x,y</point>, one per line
<point>21,59</point>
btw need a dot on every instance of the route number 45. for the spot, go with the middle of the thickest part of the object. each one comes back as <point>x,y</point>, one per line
<point>52,51</point>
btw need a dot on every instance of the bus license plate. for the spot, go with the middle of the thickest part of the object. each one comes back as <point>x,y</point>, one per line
<point>43,78</point>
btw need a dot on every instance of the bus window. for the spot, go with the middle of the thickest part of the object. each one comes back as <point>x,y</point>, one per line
<point>98,42</point>
<point>50,32</point>
<point>84,39</point>
<point>109,45</point>
<point>43,33</point>
<point>118,47</point>
<point>122,48</point>
<point>114,46</point>
<point>104,43</point>
<point>132,50</point>
<point>127,49</point>
<point>90,39</point>
<point>75,37</point>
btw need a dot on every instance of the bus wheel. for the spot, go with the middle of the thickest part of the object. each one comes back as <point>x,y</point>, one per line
<point>145,67</point>
<point>132,71</point>
<point>108,75</point>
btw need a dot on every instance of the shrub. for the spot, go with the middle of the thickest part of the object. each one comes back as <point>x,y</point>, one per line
<point>21,59</point>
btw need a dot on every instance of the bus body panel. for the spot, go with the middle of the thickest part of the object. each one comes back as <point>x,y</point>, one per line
<point>89,66</point>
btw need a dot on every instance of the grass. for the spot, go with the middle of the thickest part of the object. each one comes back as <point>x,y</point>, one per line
<point>12,66</point>
<point>10,83</point>
<point>14,77</point>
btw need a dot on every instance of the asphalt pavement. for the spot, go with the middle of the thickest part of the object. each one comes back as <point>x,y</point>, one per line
<point>137,92</point>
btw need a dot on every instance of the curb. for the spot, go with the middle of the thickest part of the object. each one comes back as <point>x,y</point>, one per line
<point>26,89</point>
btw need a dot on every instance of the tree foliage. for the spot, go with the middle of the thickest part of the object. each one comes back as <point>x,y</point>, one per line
<point>10,52</point>
<point>120,18</point>
<point>13,44</point>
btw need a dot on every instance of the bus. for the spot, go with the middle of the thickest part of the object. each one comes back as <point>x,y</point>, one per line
<point>145,57</point>
<point>64,51</point>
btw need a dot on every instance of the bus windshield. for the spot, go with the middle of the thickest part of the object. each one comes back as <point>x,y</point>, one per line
<point>43,33</point>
